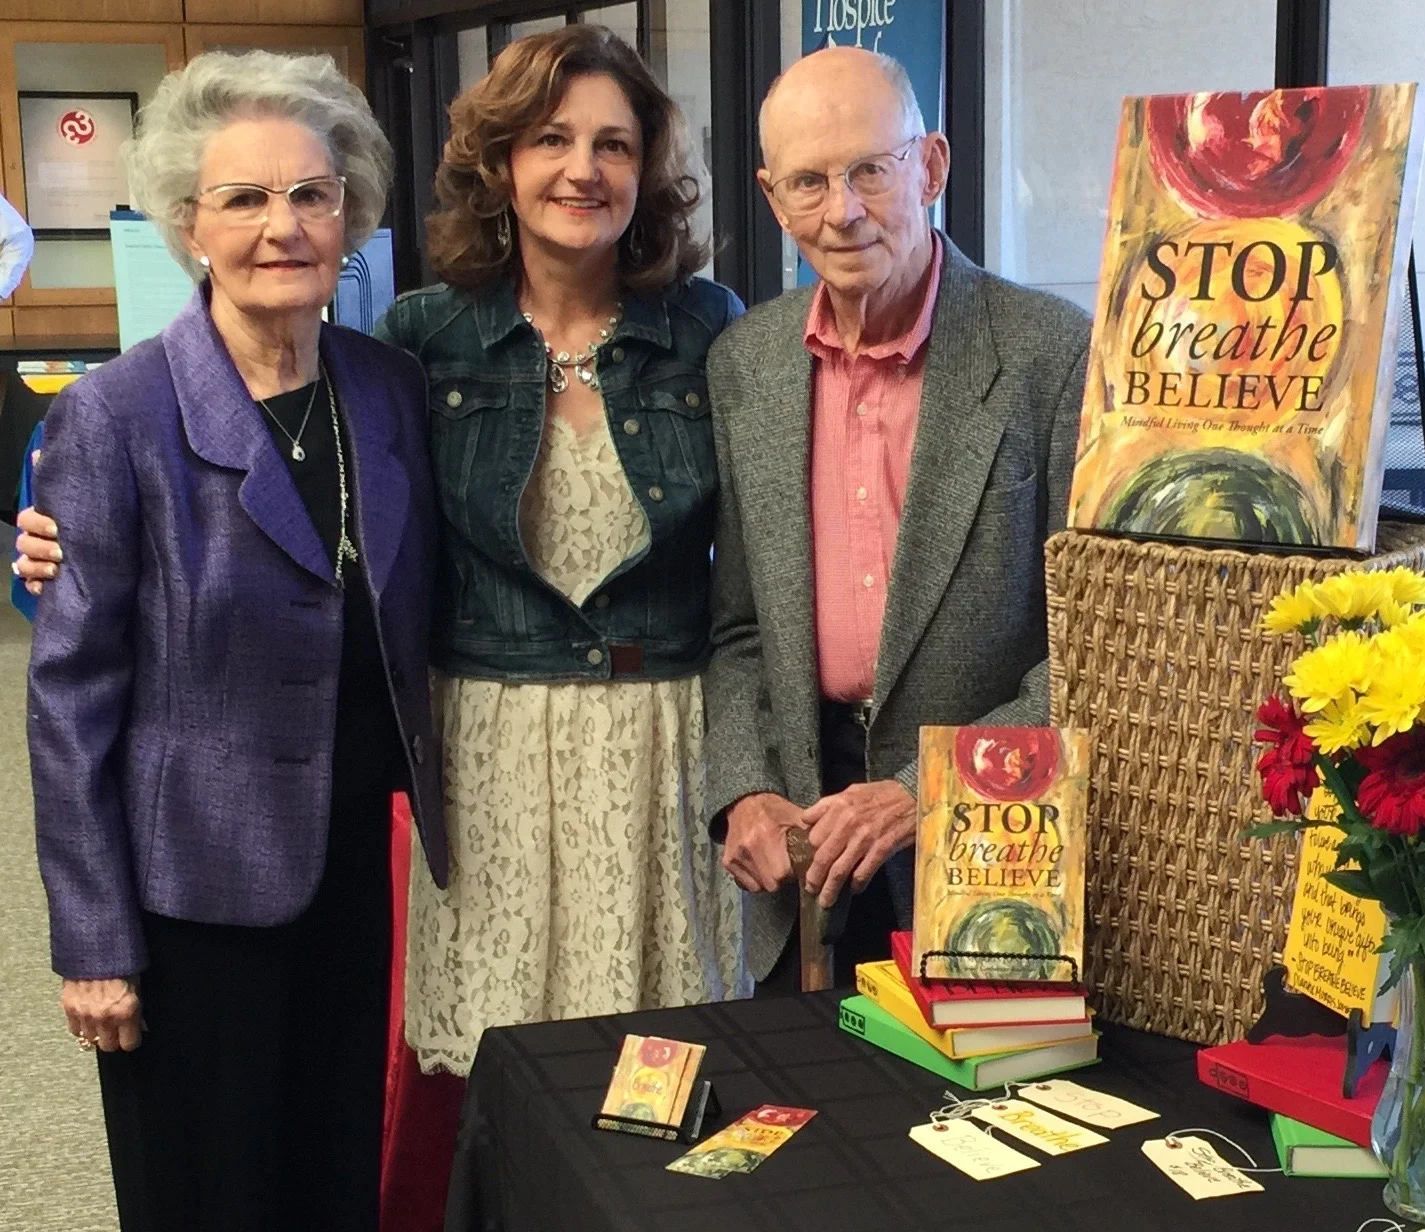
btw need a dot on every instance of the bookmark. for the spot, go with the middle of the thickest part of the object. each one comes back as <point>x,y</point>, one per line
<point>743,1145</point>
<point>1194,1167</point>
<point>970,1150</point>
<point>1081,1103</point>
<point>1051,1134</point>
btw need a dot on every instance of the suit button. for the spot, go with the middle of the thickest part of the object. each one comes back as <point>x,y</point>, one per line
<point>655,493</point>
<point>601,602</point>
<point>595,656</point>
<point>418,750</point>
<point>693,400</point>
<point>631,426</point>
<point>616,355</point>
<point>453,398</point>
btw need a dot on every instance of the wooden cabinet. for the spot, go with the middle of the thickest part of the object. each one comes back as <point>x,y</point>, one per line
<point>346,45</point>
<point>274,12</point>
<point>94,10</point>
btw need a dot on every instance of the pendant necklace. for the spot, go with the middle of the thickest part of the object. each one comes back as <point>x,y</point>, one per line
<point>581,361</point>
<point>345,548</point>
<point>298,453</point>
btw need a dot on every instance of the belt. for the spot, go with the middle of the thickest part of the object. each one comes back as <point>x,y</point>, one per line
<point>625,659</point>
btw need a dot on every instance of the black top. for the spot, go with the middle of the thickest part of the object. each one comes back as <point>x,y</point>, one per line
<point>366,757</point>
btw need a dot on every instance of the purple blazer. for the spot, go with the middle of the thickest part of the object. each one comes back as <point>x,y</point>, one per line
<point>183,681</point>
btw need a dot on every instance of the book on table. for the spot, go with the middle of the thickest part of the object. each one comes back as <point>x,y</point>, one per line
<point>1304,1150</point>
<point>1299,1078</point>
<point>947,1004</point>
<point>882,983</point>
<point>863,1018</point>
<point>999,856</point>
<point>655,1090</point>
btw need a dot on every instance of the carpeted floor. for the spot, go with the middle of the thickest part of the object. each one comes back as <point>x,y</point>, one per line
<point>54,1165</point>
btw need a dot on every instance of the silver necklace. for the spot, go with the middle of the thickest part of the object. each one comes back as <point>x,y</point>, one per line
<point>581,361</point>
<point>345,548</point>
<point>298,453</point>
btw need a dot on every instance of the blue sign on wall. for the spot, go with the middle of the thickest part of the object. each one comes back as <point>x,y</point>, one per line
<point>911,31</point>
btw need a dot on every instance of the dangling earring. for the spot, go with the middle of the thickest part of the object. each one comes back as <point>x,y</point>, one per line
<point>635,242</point>
<point>204,262</point>
<point>502,234</point>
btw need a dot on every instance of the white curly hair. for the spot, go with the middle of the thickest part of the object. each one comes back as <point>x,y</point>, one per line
<point>216,89</point>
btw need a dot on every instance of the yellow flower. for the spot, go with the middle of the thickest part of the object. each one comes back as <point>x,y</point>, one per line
<point>1292,611</point>
<point>1403,640</point>
<point>1341,725</point>
<point>1353,596</point>
<point>1335,671</point>
<point>1396,694</point>
<point>1393,612</point>
<point>1406,585</point>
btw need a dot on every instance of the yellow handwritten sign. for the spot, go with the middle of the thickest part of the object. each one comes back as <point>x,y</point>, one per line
<point>1332,945</point>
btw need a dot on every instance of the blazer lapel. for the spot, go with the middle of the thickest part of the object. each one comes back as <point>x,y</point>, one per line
<point>774,470</point>
<point>224,426</point>
<point>955,444</point>
<point>377,479</point>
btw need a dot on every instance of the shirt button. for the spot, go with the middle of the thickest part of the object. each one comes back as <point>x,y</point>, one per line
<point>655,493</point>
<point>602,601</point>
<point>616,355</point>
<point>902,370</point>
<point>631,427</point>
<point>868,581</point>
<point>595,656</point>
<point>861,411</point>
<point>693,400</point>
<point>860,494</point>
<point>453,398</point>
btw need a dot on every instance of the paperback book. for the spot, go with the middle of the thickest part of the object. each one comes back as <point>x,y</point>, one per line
<point>655,1091</point>
<point>999,867</point>
<point>1304,1151</point>
<point>1249,302</point>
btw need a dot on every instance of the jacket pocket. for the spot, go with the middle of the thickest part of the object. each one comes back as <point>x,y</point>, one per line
<point>673,405</point>
<point>465,415</point>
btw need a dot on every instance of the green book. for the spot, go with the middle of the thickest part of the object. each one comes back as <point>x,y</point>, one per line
<point>862,1017</point>
<point>1304,1151</point>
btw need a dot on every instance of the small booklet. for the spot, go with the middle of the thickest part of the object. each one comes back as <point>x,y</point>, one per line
<point>744,1144</point>
<point>655,1090</point>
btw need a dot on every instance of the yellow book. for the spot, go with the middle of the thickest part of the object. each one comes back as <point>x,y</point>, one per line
<point>999,855</point>
<point>50,382</point>
<point>882,983</point>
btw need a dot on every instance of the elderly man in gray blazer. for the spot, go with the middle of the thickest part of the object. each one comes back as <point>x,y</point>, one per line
<point>895,444</point>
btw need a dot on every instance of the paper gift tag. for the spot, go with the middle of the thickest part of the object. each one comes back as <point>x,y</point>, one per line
<point>1051,1134</point>
<point>1193,1165</point>
<point>1083,1104</point>
<point>970,1150</point>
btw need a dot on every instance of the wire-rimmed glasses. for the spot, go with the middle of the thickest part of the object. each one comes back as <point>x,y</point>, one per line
<point>802,192</point>
<point>311,201</point>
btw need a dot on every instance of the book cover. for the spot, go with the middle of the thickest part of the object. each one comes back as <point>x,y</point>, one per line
<point>1249,300</point>
<point>745,1144</point>
<point>1304,1151</point>
<point>999,858</point>
<point>1332,951</point>
<point>883,983</point>
<point>651,1085</point>
<point>946,1004</point>
<point>863,1018</point>
<point>1299,1078</point>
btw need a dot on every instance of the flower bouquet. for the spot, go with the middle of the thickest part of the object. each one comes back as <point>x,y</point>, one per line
<point>1351,722</point>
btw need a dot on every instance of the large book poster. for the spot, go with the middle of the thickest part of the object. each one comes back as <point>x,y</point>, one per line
<point>1251,291</point>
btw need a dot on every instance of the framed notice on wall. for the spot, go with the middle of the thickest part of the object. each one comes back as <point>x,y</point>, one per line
<point>69,143</point>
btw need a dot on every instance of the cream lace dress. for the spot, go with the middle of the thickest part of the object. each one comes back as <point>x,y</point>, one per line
<point>582,877</point>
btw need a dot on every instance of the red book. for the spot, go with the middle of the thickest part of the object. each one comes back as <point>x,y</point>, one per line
<point>979,1003</point>
<point>1299,1078</point>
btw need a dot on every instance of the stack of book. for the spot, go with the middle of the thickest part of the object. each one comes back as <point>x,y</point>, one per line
<point>977,1034</point>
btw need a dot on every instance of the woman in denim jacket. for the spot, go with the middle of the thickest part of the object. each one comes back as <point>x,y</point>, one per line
<point>576,478</point>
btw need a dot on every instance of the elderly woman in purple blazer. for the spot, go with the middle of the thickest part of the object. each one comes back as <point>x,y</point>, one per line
<point>229,678</point>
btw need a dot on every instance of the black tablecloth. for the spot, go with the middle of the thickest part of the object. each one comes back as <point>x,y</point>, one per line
<point>528,1159</point>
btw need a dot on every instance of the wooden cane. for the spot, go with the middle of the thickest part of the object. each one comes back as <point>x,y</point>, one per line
<point>816,954</point>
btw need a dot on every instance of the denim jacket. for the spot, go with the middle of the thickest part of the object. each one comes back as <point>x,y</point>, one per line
<point>495,617</point>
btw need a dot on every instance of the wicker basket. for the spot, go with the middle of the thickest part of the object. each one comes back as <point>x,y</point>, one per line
<point>1157,650</point>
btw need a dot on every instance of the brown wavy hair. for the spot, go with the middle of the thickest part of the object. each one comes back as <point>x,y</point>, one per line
<point>522,90</point>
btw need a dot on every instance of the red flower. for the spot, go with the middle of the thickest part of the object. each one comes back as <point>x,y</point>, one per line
<point>1392,795</point>
<point>1289,775</point>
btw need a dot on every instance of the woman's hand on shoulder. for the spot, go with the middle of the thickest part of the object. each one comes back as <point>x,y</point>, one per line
<point>106,1013</point>
<point>38,545</point>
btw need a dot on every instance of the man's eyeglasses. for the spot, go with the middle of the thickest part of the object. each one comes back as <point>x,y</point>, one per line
<point>311,201</point>
<point>869,177</point>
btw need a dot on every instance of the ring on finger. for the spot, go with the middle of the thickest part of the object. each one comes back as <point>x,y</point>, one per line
<point>84,1042</point>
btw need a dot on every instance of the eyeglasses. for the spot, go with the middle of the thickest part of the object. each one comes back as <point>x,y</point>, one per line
<point>316,200</point>
<point>869,177</point>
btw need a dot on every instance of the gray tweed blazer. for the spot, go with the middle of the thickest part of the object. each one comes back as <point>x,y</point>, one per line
<point>964,635</point>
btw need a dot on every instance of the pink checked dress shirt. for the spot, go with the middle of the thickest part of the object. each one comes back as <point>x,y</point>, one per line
<point>863,418</point>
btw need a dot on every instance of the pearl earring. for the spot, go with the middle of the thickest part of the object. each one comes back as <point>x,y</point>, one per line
<point>204,262</point>
<point>345,261</point>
